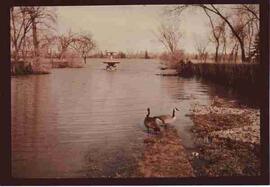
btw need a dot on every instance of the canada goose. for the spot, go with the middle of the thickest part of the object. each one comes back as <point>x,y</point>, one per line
<point>150,122</point>
<point>167,119</point>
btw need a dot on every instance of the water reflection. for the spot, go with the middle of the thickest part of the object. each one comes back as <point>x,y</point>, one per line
<point>88,122</point>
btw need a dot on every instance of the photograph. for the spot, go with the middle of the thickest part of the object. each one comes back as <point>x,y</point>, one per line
<point>136,91</point>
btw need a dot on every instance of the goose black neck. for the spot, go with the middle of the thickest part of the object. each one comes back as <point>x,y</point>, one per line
<point>173,113</point>
<point>148,112</point>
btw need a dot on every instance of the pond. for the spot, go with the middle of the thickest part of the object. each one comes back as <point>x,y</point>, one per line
<point>88,122</point>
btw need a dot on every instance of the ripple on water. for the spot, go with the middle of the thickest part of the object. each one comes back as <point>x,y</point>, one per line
<point>89,122</point>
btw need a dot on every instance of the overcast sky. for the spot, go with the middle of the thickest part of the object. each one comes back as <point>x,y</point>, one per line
<point>130,28</point>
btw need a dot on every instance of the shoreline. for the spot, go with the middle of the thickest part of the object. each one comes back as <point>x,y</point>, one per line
<point>164,156</point>
<point>227,137</point>
<point>227,143</point>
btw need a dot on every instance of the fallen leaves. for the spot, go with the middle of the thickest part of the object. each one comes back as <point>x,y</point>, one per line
<point>228,138</point>
<point>164,156</point>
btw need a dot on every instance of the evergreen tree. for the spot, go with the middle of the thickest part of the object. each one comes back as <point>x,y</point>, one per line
<point>255,50</point>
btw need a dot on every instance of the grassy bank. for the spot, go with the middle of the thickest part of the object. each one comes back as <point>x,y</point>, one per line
<point>164,156</point>
<point>21,68</point>
<point>31,66</point>
<point>43,65</point>
<point>67,63</point>
<point>227,137</point>
<point>240,76</point>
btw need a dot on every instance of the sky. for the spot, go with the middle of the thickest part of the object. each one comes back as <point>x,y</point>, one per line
<point>131,28</point>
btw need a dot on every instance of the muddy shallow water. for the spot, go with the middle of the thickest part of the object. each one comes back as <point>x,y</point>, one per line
<point>88,122</point>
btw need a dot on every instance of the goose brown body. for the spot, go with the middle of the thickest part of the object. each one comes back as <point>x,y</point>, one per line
<point>167,119</point>
<point>150,122</point>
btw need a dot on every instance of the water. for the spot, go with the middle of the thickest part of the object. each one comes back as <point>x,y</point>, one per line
<point>88,122</point>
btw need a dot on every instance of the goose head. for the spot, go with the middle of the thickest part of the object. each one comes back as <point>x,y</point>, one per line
<point>148,111</point>
<point>173,114</point>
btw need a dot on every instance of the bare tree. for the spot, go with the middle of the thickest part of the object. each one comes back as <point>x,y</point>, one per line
<point>234,51</point>
<point>224,42</point>
<point>169,35</point>
<point>217,32</point>
<point>46,43</point>
<point>248,16</point>
<point>83,44</point>
<point>212,8</point>
<point>19,27</point>
<point>201,46</point>
<point>26,19</point>
<point>63,42</point>
<point>39,16</point>
<point>251,11</point>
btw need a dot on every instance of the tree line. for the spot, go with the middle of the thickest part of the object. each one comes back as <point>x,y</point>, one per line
<point>32,31</point>
<point>233,29</point>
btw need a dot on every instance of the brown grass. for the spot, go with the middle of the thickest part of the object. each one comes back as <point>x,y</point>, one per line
<point>224,156</point>
<point>164,156</point>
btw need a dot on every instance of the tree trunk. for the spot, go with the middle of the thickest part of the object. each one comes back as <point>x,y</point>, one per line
<point>216,54</point>
<point>216,11</point>
<point>243,55</point>
<point>236,54</point>
<point>224,51</point>
<point>14,40</point>
<point>35,39</point>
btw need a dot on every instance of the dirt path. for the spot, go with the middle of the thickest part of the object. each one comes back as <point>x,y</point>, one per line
<point>164,156</point>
